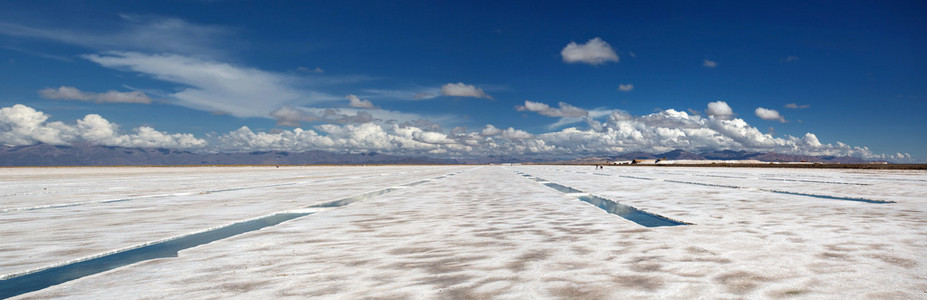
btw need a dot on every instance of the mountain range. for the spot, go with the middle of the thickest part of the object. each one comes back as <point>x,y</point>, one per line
<point>96,155</point>
<point>730,155</point>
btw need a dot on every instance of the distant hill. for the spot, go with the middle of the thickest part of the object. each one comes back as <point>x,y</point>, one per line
<point>93,155</point>
<point>727,155</point>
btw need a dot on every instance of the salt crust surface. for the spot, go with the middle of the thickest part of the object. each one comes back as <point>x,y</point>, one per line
<point>484,233</point>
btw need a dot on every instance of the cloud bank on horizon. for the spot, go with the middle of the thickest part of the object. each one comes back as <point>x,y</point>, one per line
<point>564,105</point>
<point>620,132</point>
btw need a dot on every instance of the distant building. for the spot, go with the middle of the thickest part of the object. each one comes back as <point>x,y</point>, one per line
<point>644,161</point>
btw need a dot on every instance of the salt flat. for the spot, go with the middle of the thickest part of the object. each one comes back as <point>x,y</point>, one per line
<point>474,232</point>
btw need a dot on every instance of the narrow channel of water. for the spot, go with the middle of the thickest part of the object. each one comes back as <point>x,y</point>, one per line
<point>832,197</point>
<point>562,188</point>
<point>352,199</point>
<point>629,212</point>
<point>52,276</point>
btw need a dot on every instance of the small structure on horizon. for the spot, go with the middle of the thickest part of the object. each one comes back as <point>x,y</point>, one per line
<point>644,161</point>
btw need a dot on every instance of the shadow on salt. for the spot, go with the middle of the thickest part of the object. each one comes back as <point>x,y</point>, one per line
<point>56,275</point>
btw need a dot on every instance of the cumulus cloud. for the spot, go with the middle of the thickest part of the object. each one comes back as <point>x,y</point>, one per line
<point>719,109</point>
<point>490,130</point>
<point>357,102</point>
<point>23,125</point>
<point>797,106</point>
<point>594,52</point>
<point>565,109</point>
<point>619,132</point>
<point>463,90</point>
<point>709,63</point>
<point>72,93</point>
<point>626,87</point>
<point>212,85</point>
<point>769,114</point>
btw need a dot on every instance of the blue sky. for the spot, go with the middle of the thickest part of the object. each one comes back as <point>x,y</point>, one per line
<point>464,78</point>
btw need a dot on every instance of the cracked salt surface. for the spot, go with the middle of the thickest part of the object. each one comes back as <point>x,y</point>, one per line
<point>488,233</point>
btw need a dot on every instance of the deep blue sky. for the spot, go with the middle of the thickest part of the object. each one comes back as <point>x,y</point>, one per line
<point>856,72</point>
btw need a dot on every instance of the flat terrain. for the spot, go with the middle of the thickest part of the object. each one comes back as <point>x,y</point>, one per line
<point>473,232</point>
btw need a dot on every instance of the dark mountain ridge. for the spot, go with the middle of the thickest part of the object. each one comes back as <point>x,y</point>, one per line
<point>92,155</point>
<point>95,155</point>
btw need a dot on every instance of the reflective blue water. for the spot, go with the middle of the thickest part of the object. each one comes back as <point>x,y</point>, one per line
<point>630,213</point>
<point>561,188</point>
<point>57,275</point>
<point>787,193</point>
<point>625,211</point>
<point>416,183</point>
<point>832,197</point>
<point>352,199</point>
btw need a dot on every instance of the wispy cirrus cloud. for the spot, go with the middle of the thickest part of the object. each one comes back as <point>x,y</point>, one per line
<point>136,33</point>
<point>417,93</point>
<point>72,93</point>
<point>215,86</point>
<point>797,106</point>
<point>709,63</point>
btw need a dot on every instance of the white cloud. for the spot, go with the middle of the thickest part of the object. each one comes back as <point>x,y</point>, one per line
<point>357,102</point>
<point>769,114</point>
<point>463,90</point>
<point>626,87</point>
<point>797,106</point>
<point>620,132</point>
<point>23,125</point>
<point>490,130</point>
<point>515,134</point>
<point>565,110</point>
<point>709,63</point>
<point>594,52</point>
<point>214,86</point>
<point>72,93</point>
<point>719,109</point>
